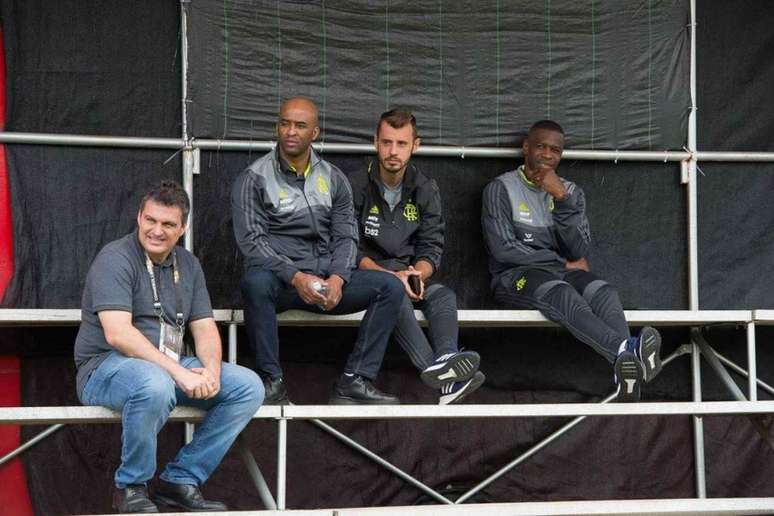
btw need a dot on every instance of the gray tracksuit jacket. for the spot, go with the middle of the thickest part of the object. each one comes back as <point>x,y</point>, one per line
<point>286,224</point>
<point>524,227</point>
<point>414,230</point>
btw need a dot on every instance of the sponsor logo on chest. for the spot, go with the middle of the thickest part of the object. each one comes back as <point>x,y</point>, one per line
<point>372,224</point>
<point>287,202</point>
<point>524,213</point>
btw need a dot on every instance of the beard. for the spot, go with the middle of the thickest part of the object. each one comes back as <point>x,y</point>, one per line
<point>393,165</point>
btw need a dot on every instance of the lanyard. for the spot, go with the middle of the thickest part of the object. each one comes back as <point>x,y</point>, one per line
<point>156,301</point>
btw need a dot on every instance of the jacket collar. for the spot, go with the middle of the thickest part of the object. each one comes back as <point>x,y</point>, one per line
<point>284,166</point>
<point>411,178</point>
<point>523,178</point>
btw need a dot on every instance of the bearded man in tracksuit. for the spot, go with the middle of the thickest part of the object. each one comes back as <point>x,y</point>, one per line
<point>402,233</point>
<point>537,235</point>
<point>294,223</point>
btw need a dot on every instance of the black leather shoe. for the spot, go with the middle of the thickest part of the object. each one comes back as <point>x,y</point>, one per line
<point>133,499</point>
<point>276,392</point>
<point>357,390</point>
<point>185,496</point>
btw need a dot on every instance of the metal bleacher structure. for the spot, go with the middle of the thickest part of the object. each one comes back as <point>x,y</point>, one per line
<point>744,402</point>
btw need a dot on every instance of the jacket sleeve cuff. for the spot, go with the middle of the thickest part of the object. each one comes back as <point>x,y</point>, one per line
<point>287,274</point>
<point>568,203</point>
<point>345,275</point>
<point>433,262</point>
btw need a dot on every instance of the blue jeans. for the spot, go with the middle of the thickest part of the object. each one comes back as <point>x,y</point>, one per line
<point>379,293</point>
<point>145,394</point>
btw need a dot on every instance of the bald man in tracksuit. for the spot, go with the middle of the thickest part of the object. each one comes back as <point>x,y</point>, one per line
<point>537,235</point>
<point>294,223</point>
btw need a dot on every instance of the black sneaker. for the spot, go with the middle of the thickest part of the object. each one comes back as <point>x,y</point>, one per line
<point>454,392</point>
<point>276,392</point>
<point>357,390</point>
<point>451,367</point>
<point>648,350</point>
<point>628,376</point>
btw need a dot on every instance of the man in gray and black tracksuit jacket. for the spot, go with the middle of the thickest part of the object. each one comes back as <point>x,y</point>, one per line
<point>294,223</point>
<point>402,232</point>
<point>537,235</point>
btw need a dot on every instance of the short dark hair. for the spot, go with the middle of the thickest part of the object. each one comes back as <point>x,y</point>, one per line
<point>169,193</point>
<point>546,124</point>
<point>397,118</point>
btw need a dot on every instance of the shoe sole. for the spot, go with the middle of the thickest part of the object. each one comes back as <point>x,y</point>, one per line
<point>168,502</point>
<point>118,510</point>
<point>472,385</point>
<point>341,400</point>
<point>628,373</point>
<point>459,368</point>
<point>650,352</point>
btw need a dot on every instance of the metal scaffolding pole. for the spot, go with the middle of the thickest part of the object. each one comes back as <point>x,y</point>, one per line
<point>282,462</point>
<point>388,465</point>
<point>712,359</point>
<point>29,444</point>
<point>752,375</point>
<point>740,371</point>
<point>255,474</point>
<point>693,265</point>
<point>734,156</point>
<point>187,158</point>
<point>77,140</point>
<point>184,67</point>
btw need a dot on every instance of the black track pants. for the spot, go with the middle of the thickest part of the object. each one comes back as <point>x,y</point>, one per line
<point>587,306</point>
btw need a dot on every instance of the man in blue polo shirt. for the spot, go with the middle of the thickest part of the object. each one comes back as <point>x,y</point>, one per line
<point>142,293</point>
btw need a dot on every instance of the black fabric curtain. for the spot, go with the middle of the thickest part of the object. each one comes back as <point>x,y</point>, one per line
<point>114,68</point>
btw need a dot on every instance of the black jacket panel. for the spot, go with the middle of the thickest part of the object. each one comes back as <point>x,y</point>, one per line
<point>413,231</point>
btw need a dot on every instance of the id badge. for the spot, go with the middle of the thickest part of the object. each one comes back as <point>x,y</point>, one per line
<point>171,341</point>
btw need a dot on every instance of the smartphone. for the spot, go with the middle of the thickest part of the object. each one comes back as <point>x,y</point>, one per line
<point>415,284</point>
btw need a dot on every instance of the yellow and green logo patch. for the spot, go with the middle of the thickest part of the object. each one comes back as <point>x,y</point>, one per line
<point>520,283</point>
<point>374,210</point>
<point>410,212</point>
<point>322,185</point>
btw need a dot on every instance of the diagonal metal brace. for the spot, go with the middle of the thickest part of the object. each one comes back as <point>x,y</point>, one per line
<point>374,457</point>
<point>759,422</point>
<point>29,444</point>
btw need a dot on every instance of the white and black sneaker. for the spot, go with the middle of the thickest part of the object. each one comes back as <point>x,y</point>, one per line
<point>628,375</point>
<point>454,392</point>
<point>451,367</point>
<point>648,350</point>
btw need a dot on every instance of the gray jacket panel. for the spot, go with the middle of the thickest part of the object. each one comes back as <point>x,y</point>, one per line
<point>525,227</point>
<point>287,226</point>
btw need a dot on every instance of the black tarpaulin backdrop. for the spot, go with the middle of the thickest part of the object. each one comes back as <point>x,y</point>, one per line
<point>614,73</point>
<point>98,67</point>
